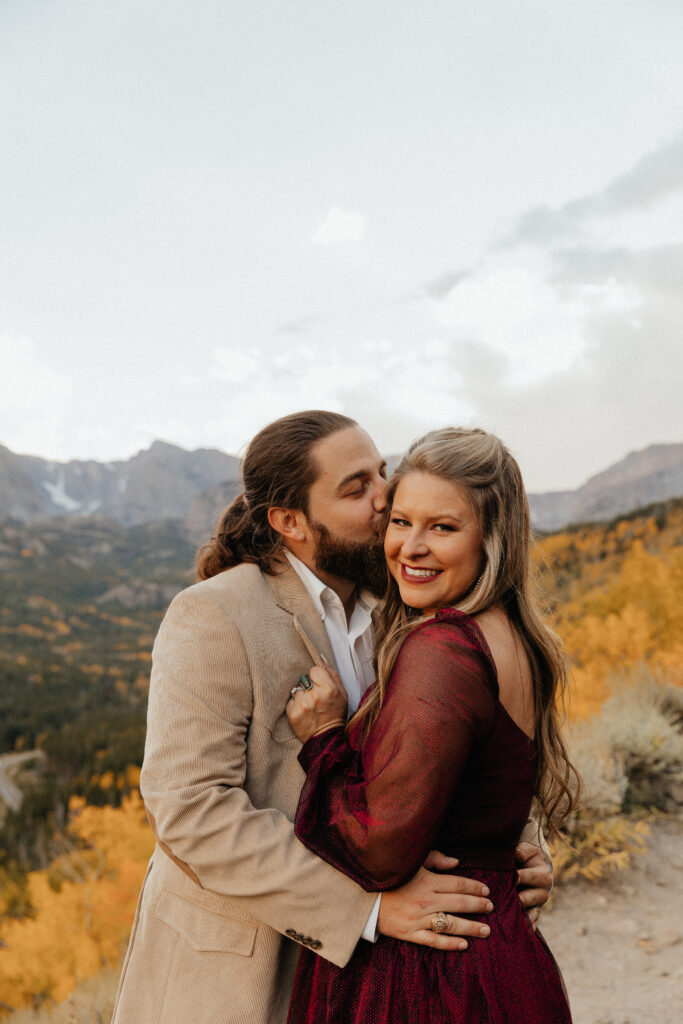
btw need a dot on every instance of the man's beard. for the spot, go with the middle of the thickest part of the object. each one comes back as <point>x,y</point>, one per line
<point>360,562</point>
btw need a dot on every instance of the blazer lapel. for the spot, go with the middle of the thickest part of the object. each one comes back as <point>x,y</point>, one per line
<point>291,595</point>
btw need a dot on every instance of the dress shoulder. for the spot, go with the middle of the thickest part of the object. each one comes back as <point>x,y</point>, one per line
<point>452,639</point>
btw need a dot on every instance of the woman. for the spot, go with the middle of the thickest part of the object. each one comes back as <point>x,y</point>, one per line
<point>449,748</point>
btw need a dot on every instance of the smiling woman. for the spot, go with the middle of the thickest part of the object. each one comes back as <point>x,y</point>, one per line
<point>459,537</point>
<point>433,542</point>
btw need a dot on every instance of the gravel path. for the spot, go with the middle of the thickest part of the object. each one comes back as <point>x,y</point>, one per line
<point>619,943</point>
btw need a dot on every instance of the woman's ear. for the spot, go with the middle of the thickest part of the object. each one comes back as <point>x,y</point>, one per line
<point>288,522</point>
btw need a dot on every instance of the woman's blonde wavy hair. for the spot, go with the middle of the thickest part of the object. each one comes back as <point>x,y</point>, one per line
<point>483,467</point>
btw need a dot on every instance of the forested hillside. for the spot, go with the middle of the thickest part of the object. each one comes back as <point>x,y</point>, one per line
<point>80,603</point>
<point>615,595</point>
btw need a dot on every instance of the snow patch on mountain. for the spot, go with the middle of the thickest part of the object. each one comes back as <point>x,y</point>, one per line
<point>58,495</point>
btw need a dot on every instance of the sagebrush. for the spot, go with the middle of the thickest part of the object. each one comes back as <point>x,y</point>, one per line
<point>630,756</point>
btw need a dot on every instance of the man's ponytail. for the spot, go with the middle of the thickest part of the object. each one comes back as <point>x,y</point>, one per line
<point>231,544</point>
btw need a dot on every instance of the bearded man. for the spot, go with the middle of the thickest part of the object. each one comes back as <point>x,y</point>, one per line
<point>292,576</point>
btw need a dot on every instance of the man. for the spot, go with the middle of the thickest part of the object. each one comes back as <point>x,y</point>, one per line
<point>229,886</point>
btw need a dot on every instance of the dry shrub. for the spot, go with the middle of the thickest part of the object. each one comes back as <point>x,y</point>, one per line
<point>630,751</point>
<point>673,703</point>
<point>630,755</point>
<point>599,846</point>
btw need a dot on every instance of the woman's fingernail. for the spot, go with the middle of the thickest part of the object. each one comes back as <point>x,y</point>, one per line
<point>484,931</point>
<point>485,891</point>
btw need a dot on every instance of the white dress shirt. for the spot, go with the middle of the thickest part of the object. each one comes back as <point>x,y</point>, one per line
<point>352,643</point>
<point>353,646</point>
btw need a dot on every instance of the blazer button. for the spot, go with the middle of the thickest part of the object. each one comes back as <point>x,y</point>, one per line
<point>316,944</point>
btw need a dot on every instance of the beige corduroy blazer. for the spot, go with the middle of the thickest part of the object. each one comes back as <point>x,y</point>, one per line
<point>230,893</point>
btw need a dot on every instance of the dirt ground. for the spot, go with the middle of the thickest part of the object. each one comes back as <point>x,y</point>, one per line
<point>619,943</point>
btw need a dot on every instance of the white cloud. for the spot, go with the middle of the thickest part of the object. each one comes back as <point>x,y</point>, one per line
<point>248,411</point>
<point>569,332</point>
<point>340,226</point>
<point>33,397</point>
<point>395,390</point>
<point>234,365</point>
<point>537,326</point>
<point>641,227</point>
<point>640,207</point>
<point>27,382</point>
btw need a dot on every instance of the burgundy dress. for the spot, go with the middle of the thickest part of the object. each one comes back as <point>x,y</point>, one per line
<point>444,767</point>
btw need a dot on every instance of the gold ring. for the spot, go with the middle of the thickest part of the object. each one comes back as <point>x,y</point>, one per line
<point>440,922</point>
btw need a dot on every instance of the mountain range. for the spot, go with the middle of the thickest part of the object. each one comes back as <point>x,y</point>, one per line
<point>653,474</point>
<point>168,482</point>
<point>160,482</point>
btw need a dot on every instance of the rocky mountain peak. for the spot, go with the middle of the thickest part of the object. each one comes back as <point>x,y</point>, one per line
<point>165,481</point>
<point>160,482</point>
<point>653,474</point>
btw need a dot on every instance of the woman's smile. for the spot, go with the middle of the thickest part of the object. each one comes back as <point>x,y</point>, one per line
<point>412,573</point>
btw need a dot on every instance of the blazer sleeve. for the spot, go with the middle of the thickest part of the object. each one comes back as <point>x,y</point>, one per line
<point>194,770</point>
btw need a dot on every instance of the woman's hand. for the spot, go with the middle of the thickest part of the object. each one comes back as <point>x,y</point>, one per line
<point>320,708</point>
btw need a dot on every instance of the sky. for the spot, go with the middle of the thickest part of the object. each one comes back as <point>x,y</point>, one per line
<point>215,213</point>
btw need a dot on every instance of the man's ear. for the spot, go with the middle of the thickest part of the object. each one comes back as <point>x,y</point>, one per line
<point>290,523</point>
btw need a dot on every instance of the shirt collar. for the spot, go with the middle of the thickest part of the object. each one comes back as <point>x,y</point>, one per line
<point>317,590</point>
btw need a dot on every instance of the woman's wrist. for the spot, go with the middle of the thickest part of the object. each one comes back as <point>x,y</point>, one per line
<point>318,742</point>
<point>337,724</point>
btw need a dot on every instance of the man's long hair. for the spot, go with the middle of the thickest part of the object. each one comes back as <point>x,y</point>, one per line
<point>278,470</point>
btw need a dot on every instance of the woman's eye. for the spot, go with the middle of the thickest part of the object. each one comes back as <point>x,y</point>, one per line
<point>444,527</point>
<point>400,522</point>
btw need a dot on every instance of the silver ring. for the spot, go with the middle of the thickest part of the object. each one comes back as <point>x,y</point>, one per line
<point>305,683</point>
<point>295,690</point>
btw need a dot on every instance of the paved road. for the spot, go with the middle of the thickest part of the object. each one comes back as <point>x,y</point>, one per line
<point>10,793</point>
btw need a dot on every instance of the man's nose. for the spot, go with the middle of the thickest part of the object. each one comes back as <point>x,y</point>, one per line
<point>379,497</point>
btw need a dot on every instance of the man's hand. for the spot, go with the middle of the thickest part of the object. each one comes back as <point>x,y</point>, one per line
<point>535,875</point>
<point>407,913</point>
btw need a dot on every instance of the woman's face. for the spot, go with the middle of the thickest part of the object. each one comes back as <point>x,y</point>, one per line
<point>433,543</point>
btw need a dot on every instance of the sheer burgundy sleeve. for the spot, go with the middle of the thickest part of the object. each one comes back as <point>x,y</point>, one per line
<point>374,812</point>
